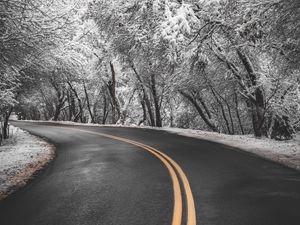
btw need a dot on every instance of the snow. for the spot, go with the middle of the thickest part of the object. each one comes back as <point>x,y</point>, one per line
<point>284,152</point>
<point>20,157</point>
<point>174,26</point>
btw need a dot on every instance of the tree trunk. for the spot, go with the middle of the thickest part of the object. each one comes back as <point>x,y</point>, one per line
<point>146,98</point>
<point>105,111</point>
<point>258,110</point>
<point>205,107</point>
<point>124,110</point>
<point>61,101</point>
<point>112,91</point>
<point>156,101</point>
<point>237,113</point>
<point>69,108</point>
<point>91,116</point>
<point>200,111</point>
<point>149,108</point>
<point>258,117</point>
<point>5,131</point>
<point>80,113</point>
<point>223,111</point>
<point>144,111</point>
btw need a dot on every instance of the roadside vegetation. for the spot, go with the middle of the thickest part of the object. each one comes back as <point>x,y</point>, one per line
<point>228,66</point>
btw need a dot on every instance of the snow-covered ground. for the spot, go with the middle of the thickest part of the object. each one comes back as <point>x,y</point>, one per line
<point>284,152</point>
<point>20,157</point>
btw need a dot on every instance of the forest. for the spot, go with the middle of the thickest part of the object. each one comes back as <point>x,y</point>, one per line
<point>228,66</point>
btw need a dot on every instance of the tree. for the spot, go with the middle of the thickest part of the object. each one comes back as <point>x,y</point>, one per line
<point>228,66</point>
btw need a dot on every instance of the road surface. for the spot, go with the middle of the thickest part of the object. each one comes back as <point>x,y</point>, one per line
<point>128,176</point>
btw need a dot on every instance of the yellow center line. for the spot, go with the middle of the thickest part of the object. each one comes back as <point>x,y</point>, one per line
<point>177,211</point>
<point>191,212</point>
<point>177,208</point>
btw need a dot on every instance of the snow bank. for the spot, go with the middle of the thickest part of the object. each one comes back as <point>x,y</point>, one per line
<point>84,124</point>
<point>20,157</point>
<point>284,152</point>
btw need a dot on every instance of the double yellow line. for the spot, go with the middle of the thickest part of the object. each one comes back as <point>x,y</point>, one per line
<point>172,166</point>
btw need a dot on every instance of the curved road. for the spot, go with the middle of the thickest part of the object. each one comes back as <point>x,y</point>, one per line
<point>127,176</point>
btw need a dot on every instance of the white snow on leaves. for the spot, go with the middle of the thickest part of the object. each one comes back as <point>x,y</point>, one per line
<point>178,23</point>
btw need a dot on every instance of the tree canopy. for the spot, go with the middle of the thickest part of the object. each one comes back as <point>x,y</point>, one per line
<point>229,66</point>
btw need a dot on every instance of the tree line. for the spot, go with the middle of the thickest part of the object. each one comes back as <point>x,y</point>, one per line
<point>229,66</point>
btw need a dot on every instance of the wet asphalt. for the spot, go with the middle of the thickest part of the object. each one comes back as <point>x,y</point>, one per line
<point>94,180</point>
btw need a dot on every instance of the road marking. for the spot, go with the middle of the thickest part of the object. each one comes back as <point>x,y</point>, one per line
<point>166,160</point>
<point>191,212</point>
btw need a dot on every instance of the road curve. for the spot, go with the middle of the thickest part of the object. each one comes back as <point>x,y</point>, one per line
<point>120,176</point>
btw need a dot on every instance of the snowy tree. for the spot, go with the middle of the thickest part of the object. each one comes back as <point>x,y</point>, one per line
<point>229,66</point>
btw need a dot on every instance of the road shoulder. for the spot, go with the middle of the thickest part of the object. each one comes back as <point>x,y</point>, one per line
<point>283,152</point>
<point>21,156</point>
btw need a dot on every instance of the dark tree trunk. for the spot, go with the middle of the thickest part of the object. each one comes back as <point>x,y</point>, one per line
<point>223,111</point>
<point>237,113</point>
<point>200,111</point>
<point>69,108</point>
<point>156,101</point>
<point>5,131</point>
<point>112,91</point>
<point>61,101</point>
<point>258,106</point>
<point>258,116</point>
<point>79,115</point>
<point>144,112</point>
<point>205,107</point>
<point>146,98</point>
<point>250,81</point>
<point>71,104</point>
<point>105,110</point>
<point>88,104</point>
<point>230,114</point>
<point>149,108</point>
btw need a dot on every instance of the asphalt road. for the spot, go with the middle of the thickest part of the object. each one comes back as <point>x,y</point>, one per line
<point>98,179</point>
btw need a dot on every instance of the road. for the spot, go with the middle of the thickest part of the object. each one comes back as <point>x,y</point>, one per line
<point>130,176</point>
